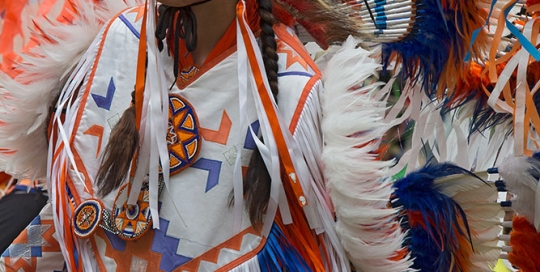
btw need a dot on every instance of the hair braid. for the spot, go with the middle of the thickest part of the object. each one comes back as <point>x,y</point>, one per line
<point>118,153</point>
<point>257,180</point>
<point>269,45</point>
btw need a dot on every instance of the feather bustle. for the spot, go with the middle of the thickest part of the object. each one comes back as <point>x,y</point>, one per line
<point>353,126</point>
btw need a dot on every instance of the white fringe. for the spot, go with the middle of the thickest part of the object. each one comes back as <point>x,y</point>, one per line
<point>309,138</point>
<point>353,126</point>
<point>26,100</point>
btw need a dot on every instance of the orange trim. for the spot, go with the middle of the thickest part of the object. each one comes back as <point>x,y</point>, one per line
<point>101,265</point>
<point>61,189</point>
<point>283,151</point>
<point>91,77</point>
<point>87,180</point>
<point>302,102</point>
<point>206,67</point>
<point>294,42</point>
<point>68,232</point>
<point>82,106</point>
<point>141,70</point>
<point>141,249</point>
<point>299,231</point>
<point>244,258</point>
<point>20,263</point>
<point>212,255</point>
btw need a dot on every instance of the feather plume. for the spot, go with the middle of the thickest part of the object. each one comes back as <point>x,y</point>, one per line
<point>353,127</point>
<point>520,175</point>
<point>435,50</point>
<point>525,241</point>
<point>277,247</point>
<point>484,215</point>
<point>438,237</point>
<point>26,101</point>
<point>325,21</point>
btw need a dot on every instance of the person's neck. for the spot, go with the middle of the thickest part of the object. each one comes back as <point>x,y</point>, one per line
<point>213,19</point>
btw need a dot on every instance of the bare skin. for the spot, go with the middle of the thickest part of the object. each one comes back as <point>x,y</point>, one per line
<point>213,19</point>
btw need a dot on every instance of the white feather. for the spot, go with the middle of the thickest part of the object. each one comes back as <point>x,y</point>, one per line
<point>454,184</point>
<point>353,124</point>
<point>478,200</point>
<point>515,173</point>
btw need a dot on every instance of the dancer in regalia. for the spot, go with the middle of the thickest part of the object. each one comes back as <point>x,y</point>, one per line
<point>186,142</point>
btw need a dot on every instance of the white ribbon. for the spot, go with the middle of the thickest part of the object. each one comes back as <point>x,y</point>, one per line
<point>155,114</point>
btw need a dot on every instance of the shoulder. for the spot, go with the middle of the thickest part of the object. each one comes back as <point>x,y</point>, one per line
<point>125,25</point>
<point>299,78</point>
<point>293,57</point>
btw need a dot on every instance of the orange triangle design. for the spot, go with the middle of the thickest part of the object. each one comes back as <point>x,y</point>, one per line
<point>192,148</point>
<point>177,103</point>
<point>174,162</point>
<point>235,243</point>
<point>189,123</point>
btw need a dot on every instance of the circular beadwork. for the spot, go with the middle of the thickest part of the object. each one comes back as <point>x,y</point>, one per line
<point>132,221</point>
<point>183,138</point>
<point>87,217</point>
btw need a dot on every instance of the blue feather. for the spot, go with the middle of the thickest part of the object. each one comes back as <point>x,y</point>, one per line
<point>425,51</point>
<point>434,245</point>
<point>279,255</point>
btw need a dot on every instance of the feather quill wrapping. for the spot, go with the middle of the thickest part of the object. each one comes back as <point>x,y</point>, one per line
<point>26,100</point>
<point>353,127</point>
<point>438,235</point>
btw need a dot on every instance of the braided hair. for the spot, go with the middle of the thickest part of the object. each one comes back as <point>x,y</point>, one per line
<point>257,181</point>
